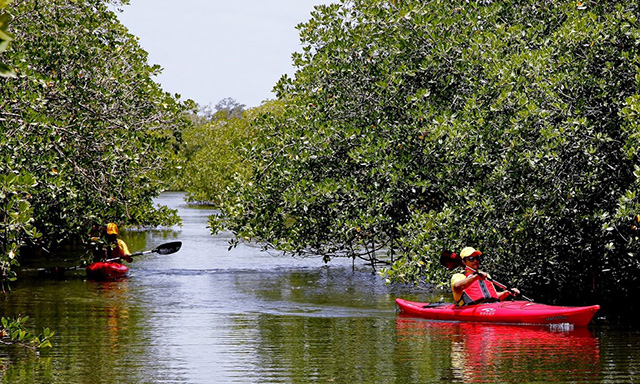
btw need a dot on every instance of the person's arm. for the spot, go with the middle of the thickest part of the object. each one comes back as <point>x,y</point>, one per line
<point>124,249</point>
<point>503,295</point>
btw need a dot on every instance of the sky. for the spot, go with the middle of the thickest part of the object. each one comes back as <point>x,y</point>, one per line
<point>215,49</point>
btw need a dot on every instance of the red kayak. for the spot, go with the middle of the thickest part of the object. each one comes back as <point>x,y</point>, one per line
<point>519,312</point>
<point>106,270</point>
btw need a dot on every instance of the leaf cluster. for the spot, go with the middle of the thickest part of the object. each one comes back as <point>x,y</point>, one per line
<point>85,120</point>
<point>14,332</point>
<point>85,117</point>
<point>16,221</point>
<point>414,126</point>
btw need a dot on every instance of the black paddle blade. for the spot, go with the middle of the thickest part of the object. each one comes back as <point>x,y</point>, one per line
<point>450,260</point>
<point>168,248</point>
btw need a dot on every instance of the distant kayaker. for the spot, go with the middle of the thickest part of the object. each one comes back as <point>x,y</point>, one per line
<point>116,248</point>
<point>473,286</point>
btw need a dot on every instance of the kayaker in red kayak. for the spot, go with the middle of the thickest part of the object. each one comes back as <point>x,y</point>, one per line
<point>116,248</point>
<point>472,286</point>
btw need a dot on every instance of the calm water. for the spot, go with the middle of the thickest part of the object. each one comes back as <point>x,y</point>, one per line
<point>207,315</point>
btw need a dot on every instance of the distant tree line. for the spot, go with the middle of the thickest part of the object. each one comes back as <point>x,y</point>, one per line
<point>211,163</point>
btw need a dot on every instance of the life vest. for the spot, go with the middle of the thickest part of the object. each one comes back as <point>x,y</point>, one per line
<point>117,250</point>
<point>481,290</point>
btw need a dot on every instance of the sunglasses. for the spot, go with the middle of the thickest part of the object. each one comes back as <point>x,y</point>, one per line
<point>474,258</point>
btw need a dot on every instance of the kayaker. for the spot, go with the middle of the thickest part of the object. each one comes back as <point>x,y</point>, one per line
<point>473,286</point>
<point>116,248</point>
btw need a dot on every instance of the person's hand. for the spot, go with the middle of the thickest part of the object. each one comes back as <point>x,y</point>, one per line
<point>481,275</point>
<point>514,292</point>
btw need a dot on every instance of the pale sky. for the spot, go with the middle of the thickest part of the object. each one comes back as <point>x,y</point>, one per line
<point>213,49</point>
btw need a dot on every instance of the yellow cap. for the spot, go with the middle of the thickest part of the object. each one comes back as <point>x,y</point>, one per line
<point>469,251</point>
<point>112,229</point>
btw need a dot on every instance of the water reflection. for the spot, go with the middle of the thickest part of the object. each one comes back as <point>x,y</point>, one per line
<point>207,315</point>
<point>115,310</point>
<point>507,353</point>
<point>321,349</point>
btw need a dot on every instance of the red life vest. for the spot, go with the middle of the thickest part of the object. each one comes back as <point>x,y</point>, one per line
<point>480,291</point>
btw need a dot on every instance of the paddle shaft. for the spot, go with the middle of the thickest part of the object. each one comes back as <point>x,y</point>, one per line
<point>131,255</point>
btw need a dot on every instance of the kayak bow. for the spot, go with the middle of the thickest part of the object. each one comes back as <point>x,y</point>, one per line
<point>518,312</point>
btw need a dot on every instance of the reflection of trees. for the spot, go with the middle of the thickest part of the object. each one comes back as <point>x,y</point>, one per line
<point>32,369</point>
<point>318,349</point>
<point>96,326</point>
<point>326,329</point>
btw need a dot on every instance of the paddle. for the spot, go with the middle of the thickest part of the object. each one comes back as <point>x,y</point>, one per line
<point>452,260</point>
<point>163,249</point>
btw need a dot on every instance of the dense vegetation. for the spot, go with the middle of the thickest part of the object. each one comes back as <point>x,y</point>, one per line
<point>212,161</point>
<point>416,126</point>
<point>410,127</point>
<point>85,132</point>
<point>85,129</point>
<point>16,217</point>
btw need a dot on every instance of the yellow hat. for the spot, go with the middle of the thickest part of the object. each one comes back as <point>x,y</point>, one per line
<point>469,251</point>
<point>112,229</point>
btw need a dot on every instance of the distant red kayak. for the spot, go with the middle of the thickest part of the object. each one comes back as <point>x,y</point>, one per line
<point>520,312</point>
<point>106,270</point>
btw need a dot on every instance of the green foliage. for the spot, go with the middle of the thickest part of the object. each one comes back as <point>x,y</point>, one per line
<point>414,126</point>
<point>213,160</point>
<point>16,221</point>
<point>5,39</point>
<point>13,331</point>
<point>86,119</point>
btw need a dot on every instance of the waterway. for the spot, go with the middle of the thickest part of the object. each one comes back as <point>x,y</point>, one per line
<point>211,315</point>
